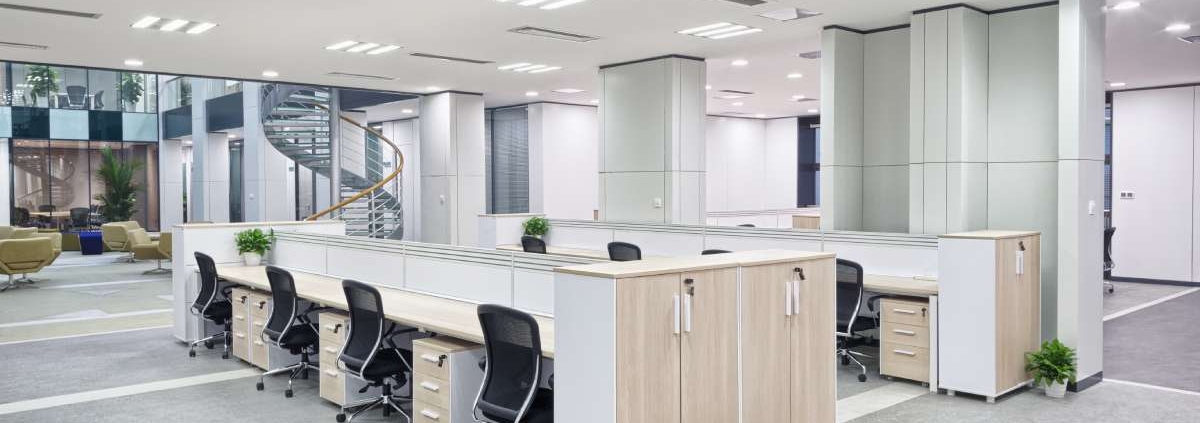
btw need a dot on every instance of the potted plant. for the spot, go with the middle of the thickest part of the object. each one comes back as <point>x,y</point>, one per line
<point>1053,366</point>
<point>119,200</point>
<point>131,90</point>
<point>252,244</point>
<point>536,226</point>
<point>42,81</point>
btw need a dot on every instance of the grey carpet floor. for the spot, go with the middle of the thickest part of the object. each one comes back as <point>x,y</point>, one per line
<point>1130,294</point>
<point>1158,346</point>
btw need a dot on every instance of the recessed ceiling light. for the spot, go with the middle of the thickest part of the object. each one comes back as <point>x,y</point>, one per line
<point>719,30</point>
<point>735,34</point>
<point>406,111</point>
<point>813,111</point>
<point>707,87</point>
<point>513,66</point>
<point>341,45</point>
<point>795,75</point>
<point>1116,84</point>
<point>560,4</point>
<point>595,101</point>
<point>433,88</point>
<point>146,22</point>
<point>133,62</point>
<point>531,2</point>
<point>270,74</point>
<point>1177,27</point>
<point>798,97</point>
<point>528,68</point>
<point>569,90</point>
<point>704,28</point>
<point>740,62</point>
<point>730,96</point>
<point>738,103</point>
<point>722,30</point>
<point>760,116</point>
<point>201,28</point>
<point>531,93</point>
<point>549,69</point>
<point>174,25</point>
<point>383,49</point>
<point>362,47</point>
<point>1127,5</point>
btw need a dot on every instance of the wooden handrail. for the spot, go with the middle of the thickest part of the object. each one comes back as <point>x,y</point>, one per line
<point>381,183</point>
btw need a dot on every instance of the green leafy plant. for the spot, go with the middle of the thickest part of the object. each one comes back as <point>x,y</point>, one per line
<point>42,80</point>
<point>1053,363</point>
<point>536,226</point>
<point>254,241</point>
<point>118,203</point>
<point>132,89</point>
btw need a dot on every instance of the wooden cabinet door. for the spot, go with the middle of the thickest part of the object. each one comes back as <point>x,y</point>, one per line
<point>765,332</point>
<point>1018,308</point>
<point>648,330</point>
<point>814,390</point>
<point>709,354</point>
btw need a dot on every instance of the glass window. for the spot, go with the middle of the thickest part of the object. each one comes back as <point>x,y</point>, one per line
<point>70,190</point>
<point>145,209</point>
<point>70,88</point>
<point>5,85</point>
<point>139,92</point>
<point>103,90</point>
<point>177,92</point>
<point>509,159</point>
<point>32,85</point>
<point>30,183</point>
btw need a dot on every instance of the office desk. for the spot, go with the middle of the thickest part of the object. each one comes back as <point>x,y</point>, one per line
<point>429,313</point>
<point>562,251</point>
<point>902,350</point>
<point>916,286</point>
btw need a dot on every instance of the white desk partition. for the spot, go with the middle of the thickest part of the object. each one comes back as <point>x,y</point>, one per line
<point>781,218</point>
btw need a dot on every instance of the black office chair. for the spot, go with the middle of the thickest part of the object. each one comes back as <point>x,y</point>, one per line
<point>623,251</point>
<point>533,244</point>
<point>76,97</point>
<point>46,221</point>
<point>289,328</point>
<point>211,306</point>
<point>849,302</point>
<point>513,347</point>
<point>20,216</point>
<point>711,252</point>
<point>80,217</point>
<point>1109,264</point>
<point>370,353</point>
<point>746,225</point>
<point>98,100</point>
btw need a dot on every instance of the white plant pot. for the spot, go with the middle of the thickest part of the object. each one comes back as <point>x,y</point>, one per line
<point>252,259</point>
<point>1056,390</point>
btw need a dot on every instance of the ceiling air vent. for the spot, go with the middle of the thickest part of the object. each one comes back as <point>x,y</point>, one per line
<point>747,2</point>
<point>790,14</point>
<point>550,33</point>
<point>451,58</point>
<point>1192,39</point>
<point>22,45</point>
<point>49,11</point>
<point>812,55</point>
<point>360,76</point>
<point>738,92</point>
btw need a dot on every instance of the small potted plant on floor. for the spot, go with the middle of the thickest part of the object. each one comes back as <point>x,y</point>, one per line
<point>1053,366</point>
<point>252,244</point>
<point>536,226</point>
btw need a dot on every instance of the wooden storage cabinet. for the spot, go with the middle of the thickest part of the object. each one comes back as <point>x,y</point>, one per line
<point>336,386</point>
<point>904,338</point>
<point>446,378</point>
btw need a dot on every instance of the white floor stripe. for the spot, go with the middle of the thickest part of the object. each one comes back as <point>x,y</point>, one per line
<point>84,335</point>
<point>1149,304</point>
<point>122,391</point>
<point>885,396</point>
<point>1154,387</point>
<point>86,285</point>
<point>76,319</point>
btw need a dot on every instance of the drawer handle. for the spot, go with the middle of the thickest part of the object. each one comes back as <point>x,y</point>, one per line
<point>240,317</point>
<point>258,323</point>
<point>436,359</point>
<point>258,343</point>
<point>331,373</point>
<point>430,386</point>
<point>240,335</point>
<point>904,311</point>
<point>904,332</point>
<point>431,414</point>
<point>331,350</point>
<point>903,352</point>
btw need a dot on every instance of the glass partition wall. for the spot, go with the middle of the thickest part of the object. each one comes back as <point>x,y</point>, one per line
<point>61,87</point>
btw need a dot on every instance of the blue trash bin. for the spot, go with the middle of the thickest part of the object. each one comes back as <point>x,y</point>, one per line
<point>90,243</point>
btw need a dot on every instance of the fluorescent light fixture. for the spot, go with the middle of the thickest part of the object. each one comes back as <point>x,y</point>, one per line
<point>735,34</point>
<point>270,74</point>
<point>528,68</point>
<point>760,116</point>
<point>549,69</point>
<point>740,62</point>
<point>531,2</point>
<point>707,87</point>
<point>1116,84</point>
<point>730,96</point>
<point>531,93</point>
<point>704,28</point>
<point>1127,5</point>
<point>569,90</point>
<point>738,103</point>
<point>146,22</point>
<point>560,4</point>
<point>595,101</point>
<point>133,62</point>
<point>174,25</point>
<point>513,66</point>
<point>406,111</point>
<point>795,75</point>
<point>433,88</point>
<point>1177,27</point>
<point>721,30</point>
<point>813,111</point>
<point>362,47</point>
<point>201,28</point>
<point>341,45</point>
<point>383,49</point>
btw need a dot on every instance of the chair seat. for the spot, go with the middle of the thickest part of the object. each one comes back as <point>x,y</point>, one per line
<point>299,336</point>
<point>387,363</point>
<point>219,312</point>
<point>540,411</point>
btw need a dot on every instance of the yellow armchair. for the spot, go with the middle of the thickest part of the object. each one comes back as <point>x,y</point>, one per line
<point>24,256</point>
<point>145,248</point>
<point>116,237</point>
<point>16,232</point>
<point>55,243</point>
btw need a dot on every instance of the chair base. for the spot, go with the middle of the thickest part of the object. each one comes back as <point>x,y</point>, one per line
<point>388,401</point>
<point>127,259</point>
<point>223,335</point>
<point>158,270</point>
<point>1109,287</point>
<point>294,371</point>
<point>849,356</point>
<point>24,282</point>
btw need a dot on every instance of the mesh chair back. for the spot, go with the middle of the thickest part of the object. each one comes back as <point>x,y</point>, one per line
<point>21,217</point>
<point>623,251</point>
<point>208,282</point>
<point>533,244</point>
<point>513,346</point>
<point>849,293</point>
<point>79,216</point>
<point>1108,234</point>
<point>283,302</point>
<point>711,252</point>
<point>366,325</point>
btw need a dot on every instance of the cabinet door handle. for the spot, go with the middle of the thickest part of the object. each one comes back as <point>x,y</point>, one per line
<point>904,352</point>
<point>430,386</point>
<point>431,414</point>
<point>904,311</point>
<point>240,335</point>
<point>430,358</point>
<point>796,297</point>
<point>331,350</point>
<point>904,332</point>
<point>687,313</point>
<point>675,321</point>
<point>787,298</point>
<point>331,373</point>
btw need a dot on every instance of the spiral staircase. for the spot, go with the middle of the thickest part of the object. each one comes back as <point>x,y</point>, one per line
<point>296,120</point>
<point>55,179</point>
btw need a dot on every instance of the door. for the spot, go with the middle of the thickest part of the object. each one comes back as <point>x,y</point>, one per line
<point>814,390</point>
<point>766,315</point>
<point>648,330</point>
<point>709,353</point>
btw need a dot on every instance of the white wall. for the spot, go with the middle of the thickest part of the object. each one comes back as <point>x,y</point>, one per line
<point>564,174</point>
<point>406,135</point>
<point>1156,151</point>
<point>751,163</point>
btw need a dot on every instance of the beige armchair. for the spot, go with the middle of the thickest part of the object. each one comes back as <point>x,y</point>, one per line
<point>116,237</point>
<point>146,249</point>
<point>16,232</point>
<point>24,256</point>
<point>55,243</point>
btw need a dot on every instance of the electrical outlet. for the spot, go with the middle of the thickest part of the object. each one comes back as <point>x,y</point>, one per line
<point>1126,195</point>
<point>1091,207</point>
<point>657,203</point>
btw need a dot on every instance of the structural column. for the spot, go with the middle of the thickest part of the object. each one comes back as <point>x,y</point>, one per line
<point>265,196</point>
<point>209,196</point>
<point>841,130</point>
<point>1080,182</point>
<point>452,167</point>
<point>652,127</point>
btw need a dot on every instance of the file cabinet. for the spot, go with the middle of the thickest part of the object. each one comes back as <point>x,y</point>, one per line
<point>446,378</point>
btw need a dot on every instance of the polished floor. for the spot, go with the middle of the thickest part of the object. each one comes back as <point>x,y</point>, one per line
<point>93,344</point>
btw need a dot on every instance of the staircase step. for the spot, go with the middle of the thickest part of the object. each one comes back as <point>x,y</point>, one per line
<point>292,134</point>
<point>297,111</point>
<point>296,123</point>
<point>309,98</point>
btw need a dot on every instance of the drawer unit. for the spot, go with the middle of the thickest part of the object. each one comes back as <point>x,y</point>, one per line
<point>446,377</point>
<point>333,384</point>
<point>240,324</point>
<point>906,361</point>
<point>917,336</point>
<point>904,338</point>
<point>908,312</point>
<point>336,386</point>
<point>332,327</point>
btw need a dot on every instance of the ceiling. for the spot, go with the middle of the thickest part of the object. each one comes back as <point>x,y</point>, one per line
<point>1141,54</point>
<point>283,36</point>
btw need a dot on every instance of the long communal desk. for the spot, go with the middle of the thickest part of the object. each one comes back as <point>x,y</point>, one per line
<point>430,313</point>
<point>563,251</point>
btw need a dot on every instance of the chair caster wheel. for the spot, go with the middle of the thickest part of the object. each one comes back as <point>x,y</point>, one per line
<point>862,378</point>
<point>208,344</point>
<point>225,356</point>
<point>259,386</point>
<point>287,393</point>
<point>341,418</point>
<point>191,353</point>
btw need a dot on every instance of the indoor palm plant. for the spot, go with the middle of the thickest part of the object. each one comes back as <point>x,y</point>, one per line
<point>131,90</point>
<point>42,80</point>
<point>119,201</point>
<point>252,244</point>
<point>536,226</point>
<point>1053,366</point>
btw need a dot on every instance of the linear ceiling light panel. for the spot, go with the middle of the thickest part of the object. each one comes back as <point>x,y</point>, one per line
<point>23,45</point>
<point>173,25</point>
<point>48,11</point>
<point>719,30</point>
<point>735,34</point>
<point>383,49</point>
<point>546,69</point>
<point>514,66</point>
<point>362,47</point>
<point>146,22</point>
<point>561,4</point>
<point>550,33</point>
<point>342,45</point>
<point>201,28</point>
<point>451,58</point>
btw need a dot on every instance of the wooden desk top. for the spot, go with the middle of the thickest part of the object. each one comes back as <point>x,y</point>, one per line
<point>664,265</point>
<point>921,286</point>
<point>562,251</point>
<point>428,312</point>
<point>990,234</point>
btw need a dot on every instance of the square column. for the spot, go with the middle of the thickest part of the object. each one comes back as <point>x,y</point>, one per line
<point>453,192</point>
<point>208,200</point>
<point>652,128</point>
<point>265,196</point>
<point>841,130</point>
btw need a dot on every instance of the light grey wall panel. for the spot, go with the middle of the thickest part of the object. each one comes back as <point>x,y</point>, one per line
<point>966,196</point>
<point>1019,198</point>
<point>885,198</point>
<point>5,123</point>
<point>1023,86</point>
<point>642,148</point>
<point>633,190</point>
<point>935,198</point>
<point>139,127</point>
<point>68,124</point>
<point>841,130</point>
<point>967,87</point>
<point>916,99</point>
<point>885,98</point>
<point>1196,189</point>
<point>936,89</point>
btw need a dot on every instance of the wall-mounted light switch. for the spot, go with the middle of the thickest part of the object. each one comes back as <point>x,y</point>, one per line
<point>657,203</point>
<point>1091,207</point>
